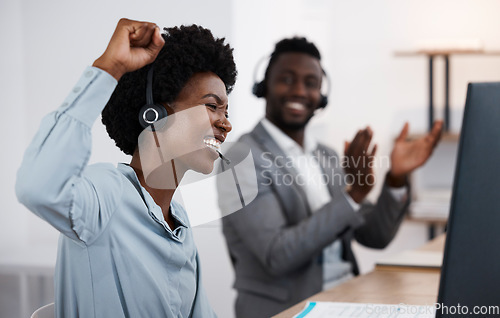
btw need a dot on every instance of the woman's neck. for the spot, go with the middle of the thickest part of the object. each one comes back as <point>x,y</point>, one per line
<point>161,195</point>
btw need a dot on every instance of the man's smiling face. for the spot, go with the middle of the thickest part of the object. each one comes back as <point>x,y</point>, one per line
<point>293,90</point>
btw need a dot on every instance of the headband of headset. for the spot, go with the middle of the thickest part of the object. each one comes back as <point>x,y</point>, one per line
<point>151,113</point>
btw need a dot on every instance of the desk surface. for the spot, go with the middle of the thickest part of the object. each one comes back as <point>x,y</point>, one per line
<point>436,245</point>
<point>384,287</point>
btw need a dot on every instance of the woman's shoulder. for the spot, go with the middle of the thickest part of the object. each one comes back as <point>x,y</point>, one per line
<point>102,170</point>
<point>105,178</point>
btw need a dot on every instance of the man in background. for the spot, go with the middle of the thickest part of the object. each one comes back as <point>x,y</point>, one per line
<point>294,238</point>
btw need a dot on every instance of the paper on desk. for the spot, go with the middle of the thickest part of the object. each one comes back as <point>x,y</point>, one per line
<point>362,310</point>
<point>429,259</point>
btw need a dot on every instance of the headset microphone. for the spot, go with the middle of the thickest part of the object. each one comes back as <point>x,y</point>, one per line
<point>227,161</point>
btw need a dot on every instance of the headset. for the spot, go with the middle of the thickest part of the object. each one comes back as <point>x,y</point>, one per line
<point>151,113</point>
<point>259,89</point>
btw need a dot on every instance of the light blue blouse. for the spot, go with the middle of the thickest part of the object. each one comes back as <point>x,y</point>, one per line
<point>117,256</point>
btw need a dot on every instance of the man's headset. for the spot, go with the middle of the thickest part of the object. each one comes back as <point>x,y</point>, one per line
<point>259,89</point>
<point>151,112</point>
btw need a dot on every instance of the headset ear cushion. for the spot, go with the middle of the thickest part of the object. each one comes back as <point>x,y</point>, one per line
<point>323,102</point>
<point>259,89</point>
<point>150,114</point>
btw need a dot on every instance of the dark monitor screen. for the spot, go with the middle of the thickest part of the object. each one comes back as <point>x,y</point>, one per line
<point>470,279</point>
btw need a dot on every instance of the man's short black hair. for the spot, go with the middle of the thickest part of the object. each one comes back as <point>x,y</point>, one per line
<point>187,50</point>
<point>292,45</point>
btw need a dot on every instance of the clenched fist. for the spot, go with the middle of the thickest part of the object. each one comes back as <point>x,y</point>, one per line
<point>133,45</point>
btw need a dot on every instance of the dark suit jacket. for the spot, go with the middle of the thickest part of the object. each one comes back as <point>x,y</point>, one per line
<point>276,243</point>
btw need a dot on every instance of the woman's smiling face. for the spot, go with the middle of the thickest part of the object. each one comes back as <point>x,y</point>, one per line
<point>191,135</point>
<point>205,102</point>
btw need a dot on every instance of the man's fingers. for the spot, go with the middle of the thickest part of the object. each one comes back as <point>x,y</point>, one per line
<point>346,146</point>
<point>369,135</point>
<point>360,146</point>
<point>358,135</point>
<point>436,131</point>
<point>365,140</point>
<point>436,128</point>
<point>404,132</point>
<point>361,142</point>
<point>355,141</point>
<point>374,151</point>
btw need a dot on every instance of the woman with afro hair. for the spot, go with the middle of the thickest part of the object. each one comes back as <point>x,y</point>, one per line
<point>126,248</point>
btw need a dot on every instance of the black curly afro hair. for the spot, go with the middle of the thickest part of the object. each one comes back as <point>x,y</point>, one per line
<point>292,45</point>
<point>187,50</point>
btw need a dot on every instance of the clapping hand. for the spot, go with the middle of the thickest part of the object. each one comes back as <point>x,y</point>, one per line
<point>358,164</point>
<point>408,155</point>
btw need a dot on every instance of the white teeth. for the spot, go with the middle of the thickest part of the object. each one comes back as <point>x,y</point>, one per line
<point>212,143</point>
<point>296,106</point>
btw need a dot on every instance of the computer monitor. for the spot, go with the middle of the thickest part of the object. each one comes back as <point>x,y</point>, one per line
<point>470,277</point>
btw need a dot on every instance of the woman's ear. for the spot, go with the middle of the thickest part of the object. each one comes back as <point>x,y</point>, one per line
<point>170,107</point>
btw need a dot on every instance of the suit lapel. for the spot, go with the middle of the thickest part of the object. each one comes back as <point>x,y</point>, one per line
<point>268,145</point>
